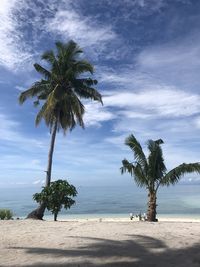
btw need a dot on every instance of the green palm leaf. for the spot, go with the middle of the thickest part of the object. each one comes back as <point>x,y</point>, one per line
<point>36,89</point>
<point>135,146</point>
<point>156,166</point>
<point>83,66</point>
<point>127,167</point>
<point>173,176</point>
<point>43,71</point>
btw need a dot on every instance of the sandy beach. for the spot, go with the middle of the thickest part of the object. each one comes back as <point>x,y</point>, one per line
<point>114,242</point>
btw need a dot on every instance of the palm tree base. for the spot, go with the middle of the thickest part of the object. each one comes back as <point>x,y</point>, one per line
<point>38,213</point>
<point>152,220</point>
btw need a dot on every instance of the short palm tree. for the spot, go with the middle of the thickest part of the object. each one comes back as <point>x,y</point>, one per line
<point>63,84</point>
<point>151,172</point>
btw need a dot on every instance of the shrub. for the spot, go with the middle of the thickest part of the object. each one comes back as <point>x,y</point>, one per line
<point>56,196</point>
<point>6,214</point>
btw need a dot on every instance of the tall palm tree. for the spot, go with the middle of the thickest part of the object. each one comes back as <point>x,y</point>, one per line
<point>63,84</point>
<point>151,172</point>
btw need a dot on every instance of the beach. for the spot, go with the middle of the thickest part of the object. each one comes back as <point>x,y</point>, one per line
<point>100,242</point>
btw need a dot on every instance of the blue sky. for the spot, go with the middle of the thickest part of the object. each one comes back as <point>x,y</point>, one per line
<point>146,57</point>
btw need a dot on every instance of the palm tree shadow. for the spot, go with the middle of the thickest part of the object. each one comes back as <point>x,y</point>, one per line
<point>137,251</point>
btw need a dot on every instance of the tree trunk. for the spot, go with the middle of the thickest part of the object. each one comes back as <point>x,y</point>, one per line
<point>151,213</point>
<point>39,212</point>
<point>50,156</point>
<point>55,216</point>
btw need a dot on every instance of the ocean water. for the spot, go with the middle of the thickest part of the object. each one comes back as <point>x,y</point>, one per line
<point>115,201</point>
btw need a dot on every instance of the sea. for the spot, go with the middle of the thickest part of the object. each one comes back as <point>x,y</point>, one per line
<point>110,201</point>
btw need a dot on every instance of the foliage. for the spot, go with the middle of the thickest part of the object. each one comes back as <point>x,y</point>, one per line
<point>150,172</point>
<point>62,86</point>
<point>6,214</point>
<point>56,196</point>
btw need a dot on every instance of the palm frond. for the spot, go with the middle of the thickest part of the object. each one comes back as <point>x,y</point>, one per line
<point>88,93</point>
<point>127,167</point>
<point>42,71</point>
<point>173,176</point>
<point>41,114</point>
<point>82,66</point>
<point>159,141</point>
<point>156,166</point>
<point>60,47</point>
<point>61,90</point>
<point>36,103</point>
<point>72,49</point>
<point>135,146</point>
<point>50,57</point>
<point>87,81</point>
<point>136,171</point>
<point>78,110</point>
<point>67,52</point>
<point>140,177</point>
<point>36,89</point>
<point>71,46</point>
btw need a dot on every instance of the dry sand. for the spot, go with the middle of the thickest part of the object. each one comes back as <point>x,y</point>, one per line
<point>116,243</point>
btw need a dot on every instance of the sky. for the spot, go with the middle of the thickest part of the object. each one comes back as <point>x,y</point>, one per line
<point>146,57</point>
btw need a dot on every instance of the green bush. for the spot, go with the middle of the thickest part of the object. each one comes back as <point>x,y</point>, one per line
<point>5,214</point>
<point>56,196</point>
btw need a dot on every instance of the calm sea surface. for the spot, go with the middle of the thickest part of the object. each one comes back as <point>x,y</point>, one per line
<point>179,200</point>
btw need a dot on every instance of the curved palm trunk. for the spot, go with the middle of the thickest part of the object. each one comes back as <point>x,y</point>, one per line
<point>39,212</point>
<point>151,213</point>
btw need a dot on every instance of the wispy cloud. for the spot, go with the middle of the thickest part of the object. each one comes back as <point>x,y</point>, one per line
<point>160,85</point>
<point>164,102</point>
<point>82,29</point>
<point>20,88</point>
<point>175,62</point>
<point>157,97</point>
<point>98,38</point>
<point>24,158</point>
<point>21,35</point>
<point>10,132</point>
<point>97,114</point>
<point>38,182</point>
<point>13,51</point>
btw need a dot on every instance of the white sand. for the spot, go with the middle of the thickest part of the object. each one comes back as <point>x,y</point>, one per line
<point>110,242</point>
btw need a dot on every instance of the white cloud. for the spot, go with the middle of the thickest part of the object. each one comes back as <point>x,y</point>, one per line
<point>158,97</point>
<point>96,114</point>
<point>13,52</point>
<point>170,55</point>
<point>174,63</point>
<point>22,158</point>
<point>38,182</point>
<point>68,23</point>
<point>20,162</point>
<point>135,114</point>
<point>113,77</point>
<point>10,132</point>
<point>164,102</point>
<point>83,29</point>
<point>197,122</point>
<point>20,34</point>
<point>21,155</point>
<point>20,88</point>
<point>132,9</point>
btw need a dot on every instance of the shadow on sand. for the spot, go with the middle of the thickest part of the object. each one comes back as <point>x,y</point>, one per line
<point>136,251</point>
